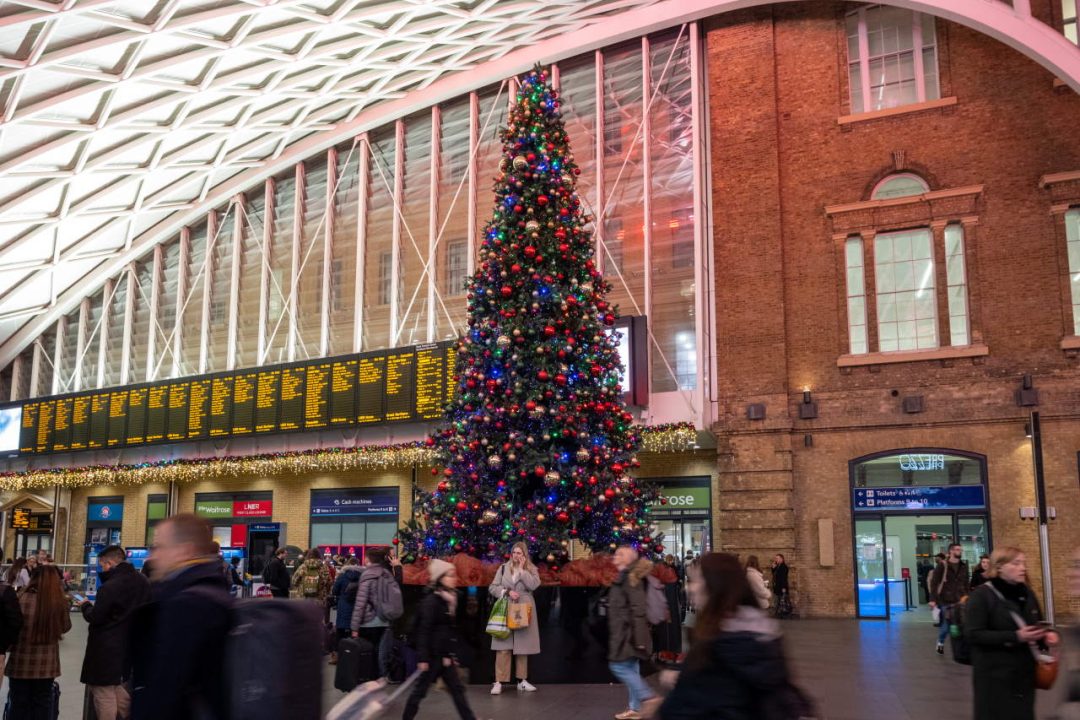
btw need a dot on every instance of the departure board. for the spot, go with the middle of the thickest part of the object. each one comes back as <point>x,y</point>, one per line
<point>317,397</point>
<point>157,412</point>
<point>402,385</point>
<point>267,399</point>
<point>80,422</point>
<point>292,399</point>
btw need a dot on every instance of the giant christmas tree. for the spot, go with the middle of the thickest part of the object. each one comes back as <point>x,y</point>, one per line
<point>537,443</point>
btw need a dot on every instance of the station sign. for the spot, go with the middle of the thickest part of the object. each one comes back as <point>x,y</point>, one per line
<point>916,498</point>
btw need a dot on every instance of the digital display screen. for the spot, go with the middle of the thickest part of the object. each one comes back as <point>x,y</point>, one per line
<point>10,429</point>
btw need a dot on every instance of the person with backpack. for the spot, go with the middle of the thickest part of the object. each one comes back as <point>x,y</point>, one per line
<point>34,663</point>
<point>345,588</point>
<point>107,663</point>
<point>276,575</point>
<point>516,579</point>
<point>178,649</point>
<point>1002,625</point>
<point>378,603</point>
<point>11,620</point>
<point>736,669</point>
<point>629,635</point>
<point>311,581</point>
<point>436,641</point>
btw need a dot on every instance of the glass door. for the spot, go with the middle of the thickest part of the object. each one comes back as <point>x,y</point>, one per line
<point>974,538</point>
<point>870,578</point>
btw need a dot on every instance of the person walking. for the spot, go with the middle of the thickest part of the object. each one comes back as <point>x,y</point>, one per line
<point>436,641</point>
<point>34,663</point>
<point>276,575</point>
<point>780,588</point>
<point>344,590</point>
<point>629,635</point>
<point>1001,622</point>
<point>757,582</point>
<point>107,662</point>
<point>311,581</point>
<point>179,637</point>
<point>18,575</point>
<point>516,579</point>
<point>736,669</point>
<point>978,575</point>
<point>368,619</point>
<point>949,582</point>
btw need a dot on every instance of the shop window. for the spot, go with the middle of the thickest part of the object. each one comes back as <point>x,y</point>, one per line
<point>892,58</point>
<point>1072,240</point>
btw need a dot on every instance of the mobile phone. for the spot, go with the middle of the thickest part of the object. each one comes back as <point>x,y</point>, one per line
<point>78,598</point>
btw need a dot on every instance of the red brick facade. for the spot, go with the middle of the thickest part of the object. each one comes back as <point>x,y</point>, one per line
<point>780,156</point>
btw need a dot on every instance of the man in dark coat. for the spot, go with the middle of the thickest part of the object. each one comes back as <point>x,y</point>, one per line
<point>629,635</point>
<point>11,619</point>
<point>276,575</point>
<point>107,663</point>
<point>949,582</point>
<point>179,638</point>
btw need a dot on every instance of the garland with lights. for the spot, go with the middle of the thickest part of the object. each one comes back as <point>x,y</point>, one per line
<point>657,438</point>
<point>537,444</point>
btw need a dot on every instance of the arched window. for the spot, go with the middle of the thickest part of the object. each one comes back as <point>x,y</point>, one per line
<point>902,185</point>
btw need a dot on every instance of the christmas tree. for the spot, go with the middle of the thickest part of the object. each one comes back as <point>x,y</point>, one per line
<point>537,443</point>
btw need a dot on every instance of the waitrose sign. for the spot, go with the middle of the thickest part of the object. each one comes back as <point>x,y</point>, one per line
<point>233,508</point>
<point>678,499</point>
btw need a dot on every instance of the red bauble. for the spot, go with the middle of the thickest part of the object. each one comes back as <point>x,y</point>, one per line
<point>542,376</point>
<point>542,200</point>
<point>462,505</point>
<point>396,541</point>
<point>530,251</point>
<point>539,471</point>
<point>549,331</point>
<point>560,379</point>
<point>443,486</point>
<point>609,493</point>
<point>562,517</point>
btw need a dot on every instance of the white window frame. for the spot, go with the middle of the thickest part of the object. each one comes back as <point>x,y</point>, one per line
<point>864,60</point>
<point>1072,245</point>
<point>880,293</point>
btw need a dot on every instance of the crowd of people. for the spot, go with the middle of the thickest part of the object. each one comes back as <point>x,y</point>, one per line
<point>155,645</point>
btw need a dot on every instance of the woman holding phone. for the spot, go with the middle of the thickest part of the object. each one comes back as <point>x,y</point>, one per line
<point>516,579</point>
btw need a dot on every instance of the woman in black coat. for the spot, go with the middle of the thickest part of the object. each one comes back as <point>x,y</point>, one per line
<point>736,669</point>
<point>1001,624</point>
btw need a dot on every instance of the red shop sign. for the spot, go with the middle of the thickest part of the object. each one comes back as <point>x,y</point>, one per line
<point>253,508</point>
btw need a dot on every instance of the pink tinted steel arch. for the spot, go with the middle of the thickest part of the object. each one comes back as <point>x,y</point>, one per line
<point>1011,24</point>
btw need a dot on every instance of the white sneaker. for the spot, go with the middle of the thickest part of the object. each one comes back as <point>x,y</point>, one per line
<point>526,686</point>
<point>496,689</point>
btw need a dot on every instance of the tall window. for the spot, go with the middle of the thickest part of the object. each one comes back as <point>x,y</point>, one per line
<point>1068,16</point>
<point>956,275</point>
<point>456,266</point>
<point>906,301</point>
<point>386,272</point>
<point>856,295</point>
<point>892,58</point>
<point>1072,237</point>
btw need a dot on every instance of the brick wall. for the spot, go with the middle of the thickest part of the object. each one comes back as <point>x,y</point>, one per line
<point>777,84</point>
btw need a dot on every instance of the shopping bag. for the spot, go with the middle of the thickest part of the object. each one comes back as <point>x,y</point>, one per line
<point>518,615</point>
<point>496,626</point>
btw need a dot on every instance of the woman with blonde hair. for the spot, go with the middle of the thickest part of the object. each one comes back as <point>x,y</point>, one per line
<point>1001,621</point>
<point>516,579</point>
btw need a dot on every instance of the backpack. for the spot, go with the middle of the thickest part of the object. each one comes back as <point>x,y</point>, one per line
<point>656,604</point>
<point>311,583</point>
<point>386,598</point>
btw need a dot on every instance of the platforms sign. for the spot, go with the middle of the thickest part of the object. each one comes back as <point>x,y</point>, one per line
<point>949,497</point>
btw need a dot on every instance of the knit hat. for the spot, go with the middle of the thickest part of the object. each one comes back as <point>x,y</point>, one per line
<point>436,569</point>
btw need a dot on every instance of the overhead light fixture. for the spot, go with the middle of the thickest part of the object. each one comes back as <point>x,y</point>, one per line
<point>807,408</point>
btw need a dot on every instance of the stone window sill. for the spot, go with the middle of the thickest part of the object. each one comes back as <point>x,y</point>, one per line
<point>902,110</point>
<point>1070,342</point>
<point>905,356</point>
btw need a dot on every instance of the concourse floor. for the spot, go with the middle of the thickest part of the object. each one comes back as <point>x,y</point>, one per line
<point>855,670</point>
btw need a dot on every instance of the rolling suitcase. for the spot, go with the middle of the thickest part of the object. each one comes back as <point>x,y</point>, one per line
<point>356,663</point>
<point>369,700</point>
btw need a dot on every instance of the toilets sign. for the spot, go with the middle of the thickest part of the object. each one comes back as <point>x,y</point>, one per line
<point>950,497</point>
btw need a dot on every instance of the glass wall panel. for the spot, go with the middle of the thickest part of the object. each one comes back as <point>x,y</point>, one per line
<point>493,103</point>
<point>416,215</point>
<point>453,219</point>
<point>45,363</point>
<point>343,261</point>
<point>167,302</point>
<point>577,93</point>
<point>114,343</point>
<point>220,272</point>
<point>277,313</point>
<point>22,387</point>
<point>673,222</point>
<point>379,245</point>
<point>253,220</point>
<point>140,322</point>
<point>89,360</point>
<point>193,302</point>
<point>312,249</point>
<point>68,354</point>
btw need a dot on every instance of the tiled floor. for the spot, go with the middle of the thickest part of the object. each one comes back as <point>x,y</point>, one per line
<point>856,670</point>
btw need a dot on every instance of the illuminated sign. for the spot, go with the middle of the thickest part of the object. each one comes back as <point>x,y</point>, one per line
<point>921,462</point>
<point>20,518</point>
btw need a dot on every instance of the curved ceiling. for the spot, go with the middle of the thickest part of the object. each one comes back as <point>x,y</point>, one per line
<point>122,119</point>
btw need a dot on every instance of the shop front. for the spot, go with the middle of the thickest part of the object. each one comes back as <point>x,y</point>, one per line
<point>345,521</point>
<point>684,514</point>
<point>908,506</point>
<point>242,525</point>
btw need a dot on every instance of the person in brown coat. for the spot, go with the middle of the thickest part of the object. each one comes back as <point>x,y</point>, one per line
<point>630,638</point>
<point>35,660</point>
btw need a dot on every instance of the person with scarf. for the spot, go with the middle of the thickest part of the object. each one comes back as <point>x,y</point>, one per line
<point>516,580</point>
<point>436,641</point>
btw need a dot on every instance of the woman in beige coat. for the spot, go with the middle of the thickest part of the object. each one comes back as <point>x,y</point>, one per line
<point>516,579</point>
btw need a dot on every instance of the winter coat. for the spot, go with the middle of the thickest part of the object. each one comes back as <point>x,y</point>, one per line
<point>365,611</point>
<point>745,676</point>
<point>1003,668</point>
<point>956,583</point>
<point>351,573</point>
<point>978,577</point>
<point>435,631</point>
<point>276,575</point>
<point>525,641</point>
<point>34,661</point>
<point>312,567</point>
<point>780,579</point>
<point>629,635</point>
<point>178,647</point>
<point>107,660</point>
<point>12,620</point>
<point>757,584</point>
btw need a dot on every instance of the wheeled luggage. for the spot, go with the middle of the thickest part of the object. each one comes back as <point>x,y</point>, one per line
<point>356,663</point>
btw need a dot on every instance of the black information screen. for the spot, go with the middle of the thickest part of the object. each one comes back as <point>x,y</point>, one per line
<point>401,385</point>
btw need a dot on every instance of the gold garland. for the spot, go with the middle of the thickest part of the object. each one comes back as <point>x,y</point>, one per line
<point>662,438</point>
